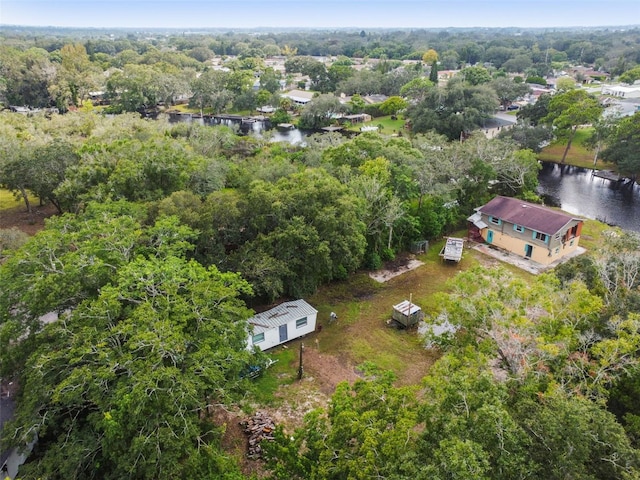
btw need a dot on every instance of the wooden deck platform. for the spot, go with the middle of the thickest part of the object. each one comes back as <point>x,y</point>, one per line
<point>452,249</point>
<point>608,175</point>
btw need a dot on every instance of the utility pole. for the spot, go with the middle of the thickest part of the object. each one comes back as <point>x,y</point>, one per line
<point>301,368</point>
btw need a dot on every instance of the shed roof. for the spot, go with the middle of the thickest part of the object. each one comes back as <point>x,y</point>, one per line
<point>281,315</point>
<point>476,219</point>
<point>529,215</point>
<point>406,308</point>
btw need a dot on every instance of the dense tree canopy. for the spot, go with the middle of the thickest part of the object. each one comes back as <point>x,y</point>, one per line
<point>124,320</point>
<point>453,110</point>
<point>146,339</point>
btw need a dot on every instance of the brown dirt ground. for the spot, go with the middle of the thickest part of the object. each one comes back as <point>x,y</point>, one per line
<point>30,223</point>
<point>322,374</point>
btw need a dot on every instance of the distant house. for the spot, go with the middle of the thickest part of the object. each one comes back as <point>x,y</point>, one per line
<point>299,97</point>
<point>621,91</point>
<point>285,322</point>
<point>355,118</point>
<point>374,98</point>
<point>526,229</point>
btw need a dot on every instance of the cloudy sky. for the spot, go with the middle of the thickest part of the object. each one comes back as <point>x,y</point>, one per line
<point>315,13</point>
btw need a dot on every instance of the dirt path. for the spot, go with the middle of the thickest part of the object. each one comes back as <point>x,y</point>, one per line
<point>389,273</point>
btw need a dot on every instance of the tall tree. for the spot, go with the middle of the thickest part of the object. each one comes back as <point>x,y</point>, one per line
<point>568,111</point>
<point>320,112</point>
<point>623,147</point>
<point>453,110</point>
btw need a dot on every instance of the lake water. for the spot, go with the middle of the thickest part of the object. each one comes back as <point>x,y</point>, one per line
<point>257,128</point>
<point>578,192</point>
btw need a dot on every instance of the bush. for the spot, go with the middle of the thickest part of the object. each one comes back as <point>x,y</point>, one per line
<point>340,273</point>
<point>11,239</point>
<point>387,254</point>
<point>372,261</point>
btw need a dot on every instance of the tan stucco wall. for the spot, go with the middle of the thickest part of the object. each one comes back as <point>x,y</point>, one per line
<point>540,253</point>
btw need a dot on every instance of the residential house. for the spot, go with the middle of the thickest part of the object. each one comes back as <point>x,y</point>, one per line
<point>287,321</point>
<point>621,91</point>
<point>299,97</point>
<point>532,231</point>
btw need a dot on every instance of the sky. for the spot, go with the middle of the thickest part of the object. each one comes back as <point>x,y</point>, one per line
<point>194,14</point>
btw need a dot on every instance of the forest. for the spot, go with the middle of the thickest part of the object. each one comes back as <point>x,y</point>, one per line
<point>165,237</point>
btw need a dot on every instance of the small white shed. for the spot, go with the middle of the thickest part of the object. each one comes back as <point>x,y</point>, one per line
<point>287,321</point>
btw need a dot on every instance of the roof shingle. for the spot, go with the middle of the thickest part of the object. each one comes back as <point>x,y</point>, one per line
<point>529,215</point>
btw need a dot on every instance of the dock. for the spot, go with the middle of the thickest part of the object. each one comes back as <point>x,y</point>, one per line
<point>607,175</point>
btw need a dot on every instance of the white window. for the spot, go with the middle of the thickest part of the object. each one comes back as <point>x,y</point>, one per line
<point>258,337</point>
<point>301,322</point>
<point>518,228</point>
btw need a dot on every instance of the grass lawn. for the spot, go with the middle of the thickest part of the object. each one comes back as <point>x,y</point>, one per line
<point>280,373</point>
<point>363,306</point>
<point>389,126</point>
<point>578,154</point>
<point>7,200</point>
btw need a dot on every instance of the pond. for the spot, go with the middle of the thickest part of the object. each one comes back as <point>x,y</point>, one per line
<point>258,128</point>
<point>577,191</point>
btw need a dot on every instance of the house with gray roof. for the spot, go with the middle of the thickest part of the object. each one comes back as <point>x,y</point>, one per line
<point>532,231</point>
<point>283,323</point>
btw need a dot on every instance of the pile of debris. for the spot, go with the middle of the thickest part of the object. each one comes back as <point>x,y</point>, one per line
<point>259,427</point>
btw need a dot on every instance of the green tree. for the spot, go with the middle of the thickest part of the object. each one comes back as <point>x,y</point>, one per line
<point>48,169</point>
<point>475,75</point>
<point>433,73</point>
<point>417,88</point>
<point>565,83</point>
<point>630,76</point>
<point>536,112</point>
<point>508,91</point>
<point>623,147</point>
<point>570,110</point>
<point>357,104</point>
<point>280,116</point>
<point>212,90</point>
<point>528,137</point>
<point>393,105</point>
<point>367,432</point>
<point>131,170</point>
<point>320,112</point>
<point>75,77</point>
<point>27,76</point>
<point>453,110</point>
<point>128,384</point>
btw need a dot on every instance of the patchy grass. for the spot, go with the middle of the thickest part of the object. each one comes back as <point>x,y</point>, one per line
<point>591,237</point>
<point>7,200</point>
<point>278,374</point>
<point>579,155</point>
<point>364,306</point>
